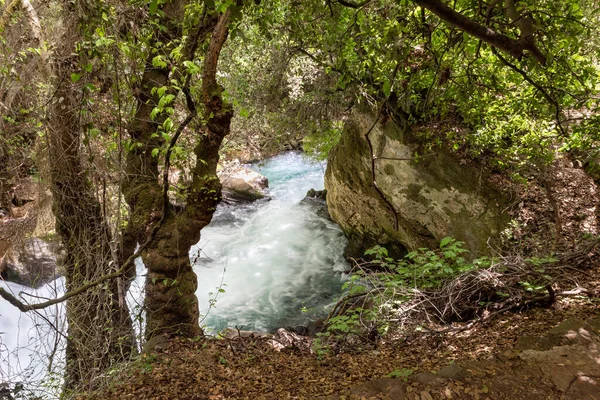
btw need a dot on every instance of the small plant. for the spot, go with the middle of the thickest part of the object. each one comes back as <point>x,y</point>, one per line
<point>320,346</point>
<point>146,362</point>
<point>425,268</point>
<point>403,373</point>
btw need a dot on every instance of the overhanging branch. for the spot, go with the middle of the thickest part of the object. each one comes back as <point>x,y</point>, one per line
<point>350,4</point>
<point>514,47</point>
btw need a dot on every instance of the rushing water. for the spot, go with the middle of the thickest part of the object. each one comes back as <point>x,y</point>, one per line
<point>273,259</point>
<point>27,339</point>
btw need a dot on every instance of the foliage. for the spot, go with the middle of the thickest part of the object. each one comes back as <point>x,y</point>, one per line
<point>401,373</point>
<point>511,113</point>
<point>281,95</point>
<point>425,268</point>
<point>376,291</point>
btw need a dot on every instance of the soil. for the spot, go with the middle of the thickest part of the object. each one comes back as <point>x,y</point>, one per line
<point>249,368</point>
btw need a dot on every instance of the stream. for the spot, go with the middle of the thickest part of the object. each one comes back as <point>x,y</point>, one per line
<point>275,257</point>
<point>260,266</point>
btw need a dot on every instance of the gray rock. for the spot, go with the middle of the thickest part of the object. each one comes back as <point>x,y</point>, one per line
<point>452,371</point>
<point>569,332</point>
<point>429,379</point>
<point>392,388</point>
<point>31,264</point>
<point>243,184</point>
<point>433,197</point>
<point>316,201</point>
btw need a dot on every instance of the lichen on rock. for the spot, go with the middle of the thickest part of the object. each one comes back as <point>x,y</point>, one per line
<point>433,195</point>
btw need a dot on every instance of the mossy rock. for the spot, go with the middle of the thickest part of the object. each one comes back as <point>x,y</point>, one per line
<point>432,197</point>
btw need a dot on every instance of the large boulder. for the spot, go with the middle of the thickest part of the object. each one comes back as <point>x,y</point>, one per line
<point>432,197</point>
<point>32,264</point>
<point>242,184</point>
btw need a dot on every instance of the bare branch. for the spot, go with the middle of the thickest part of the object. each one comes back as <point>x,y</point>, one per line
<point>350,4</point>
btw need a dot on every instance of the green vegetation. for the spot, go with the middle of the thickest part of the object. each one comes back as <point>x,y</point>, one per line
<point>124,108</point>
<point>377,290</point>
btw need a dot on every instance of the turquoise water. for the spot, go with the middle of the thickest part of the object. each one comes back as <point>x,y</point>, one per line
<point>275,258</point>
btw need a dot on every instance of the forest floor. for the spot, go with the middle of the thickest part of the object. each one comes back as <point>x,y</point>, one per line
<point>532,351</point>
<point>250,368</point>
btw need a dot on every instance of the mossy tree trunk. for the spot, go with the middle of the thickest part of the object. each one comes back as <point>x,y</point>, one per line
<point>171,304</point>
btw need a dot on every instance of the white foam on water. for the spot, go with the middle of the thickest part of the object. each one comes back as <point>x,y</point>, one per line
<point>273,257</point>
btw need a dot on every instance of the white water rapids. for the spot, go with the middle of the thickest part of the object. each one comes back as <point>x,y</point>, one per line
<point>276,256</point>
<point>278,263</point>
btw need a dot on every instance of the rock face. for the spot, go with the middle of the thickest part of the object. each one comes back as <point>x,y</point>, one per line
<point>432,196</point>
<point>31,264</point>
<point>242,184</point>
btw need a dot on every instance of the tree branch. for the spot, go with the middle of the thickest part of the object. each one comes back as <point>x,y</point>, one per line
<point>514,47</point>
<point>24,307</point>
<point>209,78</point>
<point>550,99</point>
<point>350,4</point>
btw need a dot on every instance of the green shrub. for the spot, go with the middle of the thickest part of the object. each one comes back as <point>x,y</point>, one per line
<point>376,291</point>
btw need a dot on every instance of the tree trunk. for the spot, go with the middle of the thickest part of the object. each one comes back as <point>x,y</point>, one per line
<point>99,328</point>
<point>171,304</point>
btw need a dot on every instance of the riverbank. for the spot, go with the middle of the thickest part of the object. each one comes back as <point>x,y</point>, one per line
<point>249,368</point>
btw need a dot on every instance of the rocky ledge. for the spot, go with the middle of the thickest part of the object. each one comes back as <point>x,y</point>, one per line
<point>562,364</point>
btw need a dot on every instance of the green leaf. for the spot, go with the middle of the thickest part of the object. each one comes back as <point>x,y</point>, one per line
<point>387,88</point>
<point>168,124</point>
<point>155,152</point>
<point>244,113</point>
<point>166,100</point>
<point>75,78</point>
<point>191,67</point>
<point>445,241</point>
<point>159,62</point>
<point>153,7</point>
<point>155,111</point>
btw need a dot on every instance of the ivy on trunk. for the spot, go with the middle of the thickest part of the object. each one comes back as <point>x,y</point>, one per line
<point>171,304</point>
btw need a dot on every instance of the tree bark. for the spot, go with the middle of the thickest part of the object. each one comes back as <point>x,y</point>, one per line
<point>171,304</point>
<point>100,332</point>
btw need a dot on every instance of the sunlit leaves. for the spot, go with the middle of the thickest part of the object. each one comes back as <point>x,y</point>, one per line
<point>159,62</point>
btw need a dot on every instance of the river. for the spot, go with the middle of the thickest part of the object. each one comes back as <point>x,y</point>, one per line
<point>275,257</point>
<point>276,262</point>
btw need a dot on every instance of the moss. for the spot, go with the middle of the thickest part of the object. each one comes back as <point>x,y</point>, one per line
<point>389,169</point>
<point>413,193</point>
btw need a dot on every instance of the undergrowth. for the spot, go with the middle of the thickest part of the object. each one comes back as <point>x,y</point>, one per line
<point>432,288</point>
